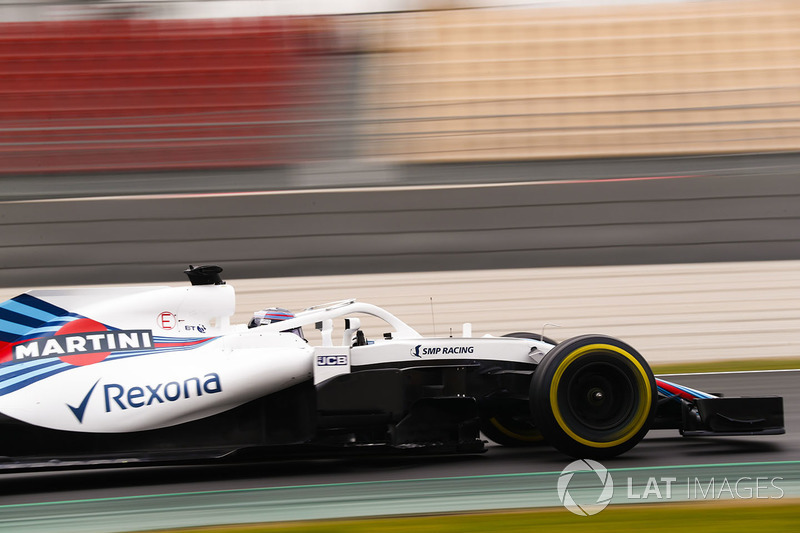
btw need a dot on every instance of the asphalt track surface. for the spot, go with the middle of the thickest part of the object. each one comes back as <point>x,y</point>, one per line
<point>349,174</point>
<point>426,218</point>
<point>659,449</point>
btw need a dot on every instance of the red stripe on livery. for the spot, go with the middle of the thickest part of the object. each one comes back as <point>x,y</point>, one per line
<point>181,344</point>
<point>675,390</point>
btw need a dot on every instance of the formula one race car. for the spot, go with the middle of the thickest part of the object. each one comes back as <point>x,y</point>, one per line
<point>158,374</point>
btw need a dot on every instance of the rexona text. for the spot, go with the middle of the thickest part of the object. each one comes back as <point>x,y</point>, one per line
<point>119,397</point>
<point>83,343</point>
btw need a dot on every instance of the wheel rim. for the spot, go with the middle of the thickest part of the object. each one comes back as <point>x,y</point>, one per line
<point>600,395</point>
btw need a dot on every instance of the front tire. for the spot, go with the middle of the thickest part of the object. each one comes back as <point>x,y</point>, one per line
<point>593,397</point>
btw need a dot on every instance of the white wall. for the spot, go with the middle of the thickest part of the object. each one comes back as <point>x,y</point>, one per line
<point>684,312</point>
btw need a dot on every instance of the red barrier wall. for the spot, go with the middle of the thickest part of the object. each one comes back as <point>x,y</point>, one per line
<point>141,94</point>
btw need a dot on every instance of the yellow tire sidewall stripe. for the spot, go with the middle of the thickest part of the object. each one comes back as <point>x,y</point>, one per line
<point>535,437</point>
<point>642,411</point>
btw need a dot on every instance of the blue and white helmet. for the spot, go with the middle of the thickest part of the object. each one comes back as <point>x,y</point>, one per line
<point>272,315</point>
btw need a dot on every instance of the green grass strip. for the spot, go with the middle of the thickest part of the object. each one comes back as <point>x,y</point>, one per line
<point>743,516</point>
<point>789,363</point>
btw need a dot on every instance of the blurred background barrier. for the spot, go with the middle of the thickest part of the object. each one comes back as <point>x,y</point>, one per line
<point>79,96</point>
<point>440,85</point>
<point>670,78</point>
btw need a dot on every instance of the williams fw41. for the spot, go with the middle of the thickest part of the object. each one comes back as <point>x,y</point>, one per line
<point>159,374</point>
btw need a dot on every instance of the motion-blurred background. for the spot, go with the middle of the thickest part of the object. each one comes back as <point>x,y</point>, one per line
<point>151,85</point>
<point>502,134</point>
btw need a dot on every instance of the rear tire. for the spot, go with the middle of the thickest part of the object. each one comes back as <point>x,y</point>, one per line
<point>593,397</point>
<point>506,429</point>
<point>534,336</point>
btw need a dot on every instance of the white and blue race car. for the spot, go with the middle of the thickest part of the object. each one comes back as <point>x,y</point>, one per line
<point>159,374</point>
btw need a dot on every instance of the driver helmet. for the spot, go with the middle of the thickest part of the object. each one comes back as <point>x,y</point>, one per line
<point>271,315</point>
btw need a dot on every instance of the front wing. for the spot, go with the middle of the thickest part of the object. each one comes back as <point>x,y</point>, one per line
<point>700,414</point>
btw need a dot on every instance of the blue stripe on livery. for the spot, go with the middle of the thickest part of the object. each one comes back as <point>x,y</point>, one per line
<point>36,303</point>
<point>159,339</point>
<point>49,329</point>
<point>17,376</point>
<point>9,372</point>
<point>16,306</point>
<point>691,391</point>
<point>664,387</point>
<point>13,317</point>
<point>6,337</point>
<point>668,394</point>
<point>11,330</point>
<point>17,385</point>
<point>22,314</point>
<point>30,373</point>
